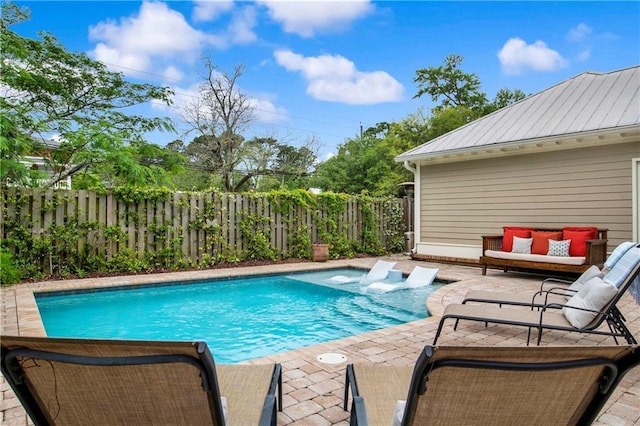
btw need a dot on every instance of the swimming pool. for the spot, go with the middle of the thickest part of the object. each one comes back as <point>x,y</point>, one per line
<point>240,319</point>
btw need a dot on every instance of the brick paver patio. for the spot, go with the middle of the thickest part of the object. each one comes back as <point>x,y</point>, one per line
<point>313,390</point>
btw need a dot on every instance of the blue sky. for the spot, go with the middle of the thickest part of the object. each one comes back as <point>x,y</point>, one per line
<point>322,69</point>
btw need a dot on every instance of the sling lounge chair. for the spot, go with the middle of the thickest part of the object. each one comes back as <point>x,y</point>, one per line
<point>552,290</point>
<point>419,277</point>
<point>462,385</point>
<point>585,312</point>
<point>110,382</point>
<point>378,272</point>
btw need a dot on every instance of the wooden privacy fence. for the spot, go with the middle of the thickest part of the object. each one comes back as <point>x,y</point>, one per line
<point>201,228</point>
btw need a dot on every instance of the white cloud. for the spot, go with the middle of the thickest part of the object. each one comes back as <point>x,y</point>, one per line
<point>265,111</point>
<point>585,54</point>
<point>155,32</point>
<point>129,61</point>
<point>608,36</point>
<point>579,32</point>
<point>336,79</point>
<point>307,18</point>
<point>172,73</point>
<point>208,10</point>
<point>183,96</point>
<point>517,56</point>
<point>241,26</point>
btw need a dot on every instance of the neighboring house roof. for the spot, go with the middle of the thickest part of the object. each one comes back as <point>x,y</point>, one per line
<point>587,103</point>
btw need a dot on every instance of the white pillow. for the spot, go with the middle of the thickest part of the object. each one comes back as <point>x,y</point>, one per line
<point>594,294</point>
<point>559,248</point>
<point>522,245</point>
<point>592,272</point>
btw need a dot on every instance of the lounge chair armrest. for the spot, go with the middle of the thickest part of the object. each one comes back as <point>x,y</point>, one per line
<point>269,413</point>
<point>560,291</point>
<point>358,412</point>
<point>553,280</point>
<point>349,384</point>
<point>273,400</point>
<point>358,409</point>
<point>553,306</point>
<point>560,306</point>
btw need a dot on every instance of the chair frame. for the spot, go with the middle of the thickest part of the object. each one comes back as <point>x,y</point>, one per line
<point>610,314</point>
<point>614,318</point>
<point>614,371</point>
<point>205,364</point>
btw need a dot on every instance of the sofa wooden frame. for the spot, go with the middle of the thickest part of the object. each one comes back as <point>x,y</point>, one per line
<point>596,255</point>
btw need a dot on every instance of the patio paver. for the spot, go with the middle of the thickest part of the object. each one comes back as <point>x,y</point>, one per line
<point>313,390</point>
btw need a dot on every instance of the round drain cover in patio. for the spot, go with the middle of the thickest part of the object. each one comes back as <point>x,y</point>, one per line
<point>331,358</point>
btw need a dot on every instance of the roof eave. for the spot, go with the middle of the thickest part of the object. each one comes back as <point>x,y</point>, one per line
<point>549,143</point>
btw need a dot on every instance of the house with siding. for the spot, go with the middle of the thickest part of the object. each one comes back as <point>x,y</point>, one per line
<point>566,156</point>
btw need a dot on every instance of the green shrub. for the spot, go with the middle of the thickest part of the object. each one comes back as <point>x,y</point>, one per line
<point>9,274</point>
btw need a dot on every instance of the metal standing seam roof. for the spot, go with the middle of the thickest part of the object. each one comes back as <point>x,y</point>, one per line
<point>588,102</point>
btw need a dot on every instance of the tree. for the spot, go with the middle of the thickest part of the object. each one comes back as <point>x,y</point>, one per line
<point>451,85</point>
<point>294,164</point>
<point>364,164</point>
<point>219,115</point>
<point>48,90</point>
<point>503,98</point>
<point>461,100</point>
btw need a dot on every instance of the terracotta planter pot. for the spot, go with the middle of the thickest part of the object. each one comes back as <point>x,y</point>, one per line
<point>320,252</point>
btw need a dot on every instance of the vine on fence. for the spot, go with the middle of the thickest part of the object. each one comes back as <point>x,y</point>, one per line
<point>66,232</point>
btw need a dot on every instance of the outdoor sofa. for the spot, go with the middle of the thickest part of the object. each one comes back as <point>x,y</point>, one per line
<point>587,246</point>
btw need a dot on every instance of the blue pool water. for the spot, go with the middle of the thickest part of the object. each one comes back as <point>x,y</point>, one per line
<point>240,319</point>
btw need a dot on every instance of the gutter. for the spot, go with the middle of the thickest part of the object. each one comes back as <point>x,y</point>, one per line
<point>409,167</point>
<point>414,224</point>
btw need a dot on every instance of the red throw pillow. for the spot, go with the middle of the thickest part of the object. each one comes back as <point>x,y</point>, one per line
<point>579,236</point>
<point>541,241</point>
<point>593,229</point>
<point>514,231</point>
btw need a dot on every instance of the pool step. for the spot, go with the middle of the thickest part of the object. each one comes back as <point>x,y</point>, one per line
<point>362,310</point>
<point>400,315</point>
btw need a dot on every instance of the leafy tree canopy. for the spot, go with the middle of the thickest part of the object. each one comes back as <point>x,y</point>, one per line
<point>48,90</point>
<point>450,85</point>
<point>365,164</point>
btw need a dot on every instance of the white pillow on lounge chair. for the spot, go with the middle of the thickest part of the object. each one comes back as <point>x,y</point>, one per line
<point>592,272</point>
<point>594,295</point>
